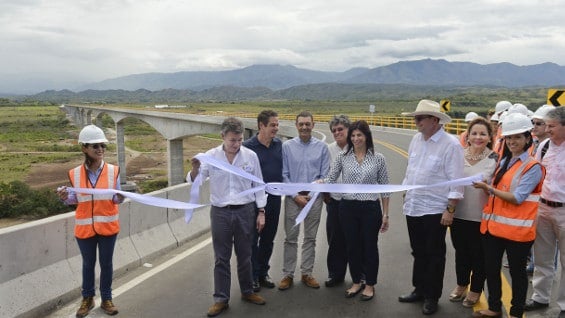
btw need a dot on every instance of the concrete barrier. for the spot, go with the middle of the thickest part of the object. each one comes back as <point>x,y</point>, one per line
<point>40,264</point>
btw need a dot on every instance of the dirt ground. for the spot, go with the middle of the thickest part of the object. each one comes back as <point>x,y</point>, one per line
<point>139,165</point>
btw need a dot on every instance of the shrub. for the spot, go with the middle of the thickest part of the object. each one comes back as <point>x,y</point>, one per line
<point>18,200</point>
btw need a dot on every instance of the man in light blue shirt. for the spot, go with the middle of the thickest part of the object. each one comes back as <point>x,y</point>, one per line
<point>305,159</point>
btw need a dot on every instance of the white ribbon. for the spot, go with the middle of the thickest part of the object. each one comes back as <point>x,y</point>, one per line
<point>274,188</point>
<point>277,188</point>
<point>145,199</point>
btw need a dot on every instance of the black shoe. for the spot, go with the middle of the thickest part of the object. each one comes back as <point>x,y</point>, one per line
<point>534,305</point>
<point>256,286</point>
<point>332,282</point>
<point>430,307</point>
<point>410,298</point>
<point>266,282</point>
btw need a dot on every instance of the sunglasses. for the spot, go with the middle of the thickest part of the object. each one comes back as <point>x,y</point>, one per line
<point>96,146</point>
<point>420,118</point>
<point>337,129</point>
<point>538,123</point>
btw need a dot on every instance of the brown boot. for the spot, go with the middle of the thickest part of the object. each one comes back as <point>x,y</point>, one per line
<point>85,306</point>
<point>109,308</point>
<point>217,308</point>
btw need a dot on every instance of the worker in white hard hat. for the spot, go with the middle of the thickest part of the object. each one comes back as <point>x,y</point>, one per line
<point>96,217</point>
<point>463,136</point>
<point>508,224</point>
<point>501,109</point>
<point>539,132</point>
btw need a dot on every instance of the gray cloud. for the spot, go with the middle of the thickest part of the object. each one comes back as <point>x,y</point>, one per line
<point>99,39</point>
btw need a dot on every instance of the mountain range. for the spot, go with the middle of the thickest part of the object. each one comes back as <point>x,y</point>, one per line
<point>289,82</point>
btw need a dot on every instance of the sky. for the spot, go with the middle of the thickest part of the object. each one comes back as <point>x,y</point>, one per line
<point>61,43</point>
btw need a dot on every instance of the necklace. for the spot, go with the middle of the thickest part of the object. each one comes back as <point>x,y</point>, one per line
<point>479,157</point>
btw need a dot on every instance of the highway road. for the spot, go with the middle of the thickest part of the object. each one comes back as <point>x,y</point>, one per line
<point>180,283</point>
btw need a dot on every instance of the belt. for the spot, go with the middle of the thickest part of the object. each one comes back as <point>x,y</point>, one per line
<point>552,204</point>
<point>304,192</point>
<point>235,206</point>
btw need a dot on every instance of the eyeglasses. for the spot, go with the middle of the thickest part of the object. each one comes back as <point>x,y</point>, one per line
<point>96,146</point>
<point>538,123</point>
<point>420,118</point>
<point>337,129</point>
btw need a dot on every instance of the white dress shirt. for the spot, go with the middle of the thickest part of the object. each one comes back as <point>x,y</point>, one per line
<point>438,159</point>
<point>225,186</point>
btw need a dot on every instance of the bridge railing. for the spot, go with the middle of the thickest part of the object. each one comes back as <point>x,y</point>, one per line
<point>456,126</point>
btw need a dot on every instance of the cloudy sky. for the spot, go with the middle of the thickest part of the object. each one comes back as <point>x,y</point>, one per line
<point>77,41</point>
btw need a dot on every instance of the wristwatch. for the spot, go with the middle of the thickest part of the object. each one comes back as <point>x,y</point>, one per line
<point>450,208</point>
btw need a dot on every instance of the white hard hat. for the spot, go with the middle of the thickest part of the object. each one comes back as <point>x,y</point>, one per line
<point>470,116</point>
<point>91,134</point>
<point>502,106</point>
<point>518,108</point>
<point>494,117</point>
<point>501,117</point>
<point>542,111</point>
<point>516,123</point>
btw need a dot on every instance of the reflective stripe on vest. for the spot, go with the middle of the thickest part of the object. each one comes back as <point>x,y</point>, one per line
<point>507,220</point>
<point>97,219</point>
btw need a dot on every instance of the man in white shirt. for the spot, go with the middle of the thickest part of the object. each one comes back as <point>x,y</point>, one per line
<point>550,231</point>
<point>434,156</point>
<point>232,216</point>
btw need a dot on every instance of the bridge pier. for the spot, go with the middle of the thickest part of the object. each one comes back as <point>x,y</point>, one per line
<point>175,162</point>
<point>121,149</point>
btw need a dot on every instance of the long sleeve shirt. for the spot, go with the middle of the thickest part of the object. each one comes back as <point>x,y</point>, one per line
<point>305,162</point>
<point>225,186</point>
<point>438,159</point>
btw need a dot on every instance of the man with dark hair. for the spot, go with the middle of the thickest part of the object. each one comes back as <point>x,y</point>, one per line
<point>233,217</point>
<point>269,151</point>
<point>305,159</point>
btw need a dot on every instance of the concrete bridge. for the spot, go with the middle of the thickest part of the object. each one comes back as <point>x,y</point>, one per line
<point>172,126</point>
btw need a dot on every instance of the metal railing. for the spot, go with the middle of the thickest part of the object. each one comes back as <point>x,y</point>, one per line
<point>456,126</point>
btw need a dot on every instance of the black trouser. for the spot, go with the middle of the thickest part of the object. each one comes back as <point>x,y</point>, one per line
<point>337,254</point>
<point>361,222</point>
<point>427,240</point>
<point>469,255</point>
<point>517,254</point>
<point>262,248</point>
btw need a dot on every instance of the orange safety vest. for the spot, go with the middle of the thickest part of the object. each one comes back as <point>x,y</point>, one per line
<point>510,221</point>
<point>95,213</point>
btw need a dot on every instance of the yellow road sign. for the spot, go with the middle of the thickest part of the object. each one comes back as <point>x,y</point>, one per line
<point>445,105</point>
<point>556,97</point>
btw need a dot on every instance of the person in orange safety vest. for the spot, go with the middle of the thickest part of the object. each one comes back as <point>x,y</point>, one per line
<point>509,217</point>
<point>96,217</point>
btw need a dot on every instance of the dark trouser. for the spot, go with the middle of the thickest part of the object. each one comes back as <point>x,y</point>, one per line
<point>262,247</point>
<point>87,248</point>
<point>361,222</point>
<point>232,227</point>
<point>469,255</point>
<point>337,253</point>
<point>427,240</point>
<point>517,254</point>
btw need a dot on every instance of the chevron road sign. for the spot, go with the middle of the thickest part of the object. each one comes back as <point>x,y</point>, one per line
<point>556,97</point>
<point>445,105</point>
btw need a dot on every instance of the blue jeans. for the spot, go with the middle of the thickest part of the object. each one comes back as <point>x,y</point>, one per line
<point>262,247</point>
<point>87,248</point>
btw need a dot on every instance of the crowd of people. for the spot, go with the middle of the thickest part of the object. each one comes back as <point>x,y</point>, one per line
<point>517,209</point>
